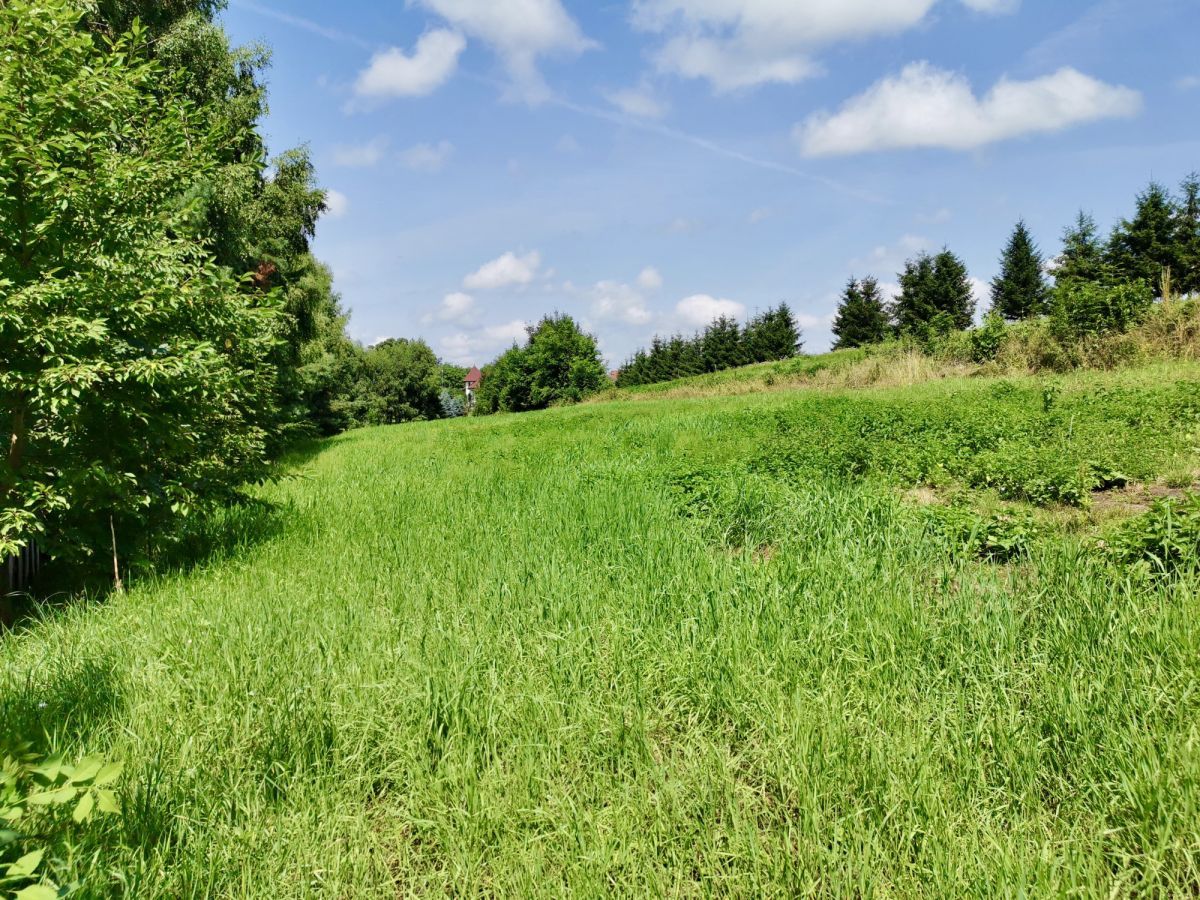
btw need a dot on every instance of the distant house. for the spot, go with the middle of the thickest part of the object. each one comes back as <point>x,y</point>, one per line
<point>471,384</point>
<point>614,375</point>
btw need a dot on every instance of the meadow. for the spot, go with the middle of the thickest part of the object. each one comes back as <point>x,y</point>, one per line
<point>919,641</point>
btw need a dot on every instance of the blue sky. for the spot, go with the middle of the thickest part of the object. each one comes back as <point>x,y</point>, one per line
<point>647,164</point>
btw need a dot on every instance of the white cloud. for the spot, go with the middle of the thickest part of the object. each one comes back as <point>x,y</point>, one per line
<point>700,309</point>
<point>337,204</point>
<point>639,102</point>
<point>928,107</point>
<point>475,347</point>
<point>650,279</point>
<point>759,216</point>
<point>738,44</point>
<point>456,307</point>
<point>508,270</point>
<point>682,225</point>
<point>427,157</point>
<point>519,31</point>
<point>360,156</point>
<point>1188,83</point>
<point>887,258</point>
<point>567,144</point>
<point>619,302</point>
<point>937,217</point>
<point>394,73</point>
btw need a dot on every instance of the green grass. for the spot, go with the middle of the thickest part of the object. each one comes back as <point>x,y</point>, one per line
<point>687,647</point>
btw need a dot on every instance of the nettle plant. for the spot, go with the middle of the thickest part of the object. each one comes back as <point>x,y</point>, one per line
<point>135,384</point>
<point>41,802</point>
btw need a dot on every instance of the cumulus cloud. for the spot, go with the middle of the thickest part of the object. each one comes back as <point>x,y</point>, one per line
<point>1188,83</point>
<point>456,307</point>
<point>360,156</point>
<point>759,216</point>
<point>427,157</point>
<point>742,43</point>
<point>508,270</point>
<point>619,302</point>
<point>394,73</point>
<point>699,310</point>
<point>337,204</point>
<point>650,279</point>
<point>518,31</point>
<point>925,106</point>
<point>639,102</point>
<point>472,347</point>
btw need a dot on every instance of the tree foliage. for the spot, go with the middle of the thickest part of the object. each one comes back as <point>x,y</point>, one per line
<point>558,363</point>
<point>1020,290</point>
<point>935,295</point>
<point>136,383</point>
<point>1082,255</point>
<point>862,318</point>
<point>724,344</point>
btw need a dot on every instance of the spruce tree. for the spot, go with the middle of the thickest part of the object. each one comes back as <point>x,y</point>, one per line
<point>1187,236</point>
<point>915,306</point>
<point>773,335</point>
<point>722,345</point>
<point>861,317</point>
<point>1019,291</point>
<point>953,297</point>
<point>1141,247</point>
<point>1082,257</point>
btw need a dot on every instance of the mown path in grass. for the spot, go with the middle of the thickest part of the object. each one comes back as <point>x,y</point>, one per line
<point>653,648</point>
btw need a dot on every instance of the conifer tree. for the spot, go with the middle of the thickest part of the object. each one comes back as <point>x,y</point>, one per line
<point>722,345</point>
<point>915,306</point>
<point>1082,257</point>
<point>1142,247</point>
<point>935,295</point>
<point>1020,291</point>
<point>953,296</point>
<point>1187,237</point>
<point>861,317</point>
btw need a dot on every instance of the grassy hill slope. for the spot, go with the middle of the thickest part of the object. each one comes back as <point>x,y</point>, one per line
<point>684,646</point>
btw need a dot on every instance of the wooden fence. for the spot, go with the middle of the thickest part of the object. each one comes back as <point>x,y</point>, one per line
<point>19,571</point>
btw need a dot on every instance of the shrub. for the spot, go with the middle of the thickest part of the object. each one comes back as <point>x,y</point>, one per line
<point>999,537</point>
<point>1082,308</point>
<point>988,338</point>
<point>1164,540</point>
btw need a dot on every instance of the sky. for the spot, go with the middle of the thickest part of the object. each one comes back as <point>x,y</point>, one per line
<point>647,165</point>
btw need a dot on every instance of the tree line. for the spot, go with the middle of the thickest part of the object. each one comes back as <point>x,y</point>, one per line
<point>165,329</point>
<point>724,344</point>
<point>1094,285</point>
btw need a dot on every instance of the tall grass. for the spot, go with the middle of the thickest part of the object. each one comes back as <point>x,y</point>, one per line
<point>508,657</point>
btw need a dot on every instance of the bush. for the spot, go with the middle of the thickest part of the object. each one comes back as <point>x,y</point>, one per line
<point>1163,541</point>
<point>988,338</point>
<point>999,537</point>
<point>1083,308</point>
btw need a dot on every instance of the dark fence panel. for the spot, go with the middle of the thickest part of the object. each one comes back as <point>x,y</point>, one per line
<point>19,571</point>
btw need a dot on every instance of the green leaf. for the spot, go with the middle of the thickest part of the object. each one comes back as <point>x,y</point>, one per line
<point>111,772</point>
<point>83,809</point>
<point>86,769</point>
<point>106,802</point>
<point>27,864</point>
<point>37,892</point>
<point>53,798</point>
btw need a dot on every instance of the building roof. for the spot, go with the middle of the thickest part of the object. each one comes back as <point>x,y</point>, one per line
<point>474,376</point>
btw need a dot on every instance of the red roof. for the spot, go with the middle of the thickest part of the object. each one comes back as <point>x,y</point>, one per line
<point>474,377</point>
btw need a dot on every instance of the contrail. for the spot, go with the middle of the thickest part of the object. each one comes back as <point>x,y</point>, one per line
<point>330,34</point>
<point>595,112</point>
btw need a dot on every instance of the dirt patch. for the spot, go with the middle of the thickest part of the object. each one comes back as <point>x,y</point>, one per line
<point>1133,499</point>
<point>922,496</point>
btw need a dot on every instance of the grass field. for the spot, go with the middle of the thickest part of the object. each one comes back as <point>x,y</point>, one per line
<point>760,645</point>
